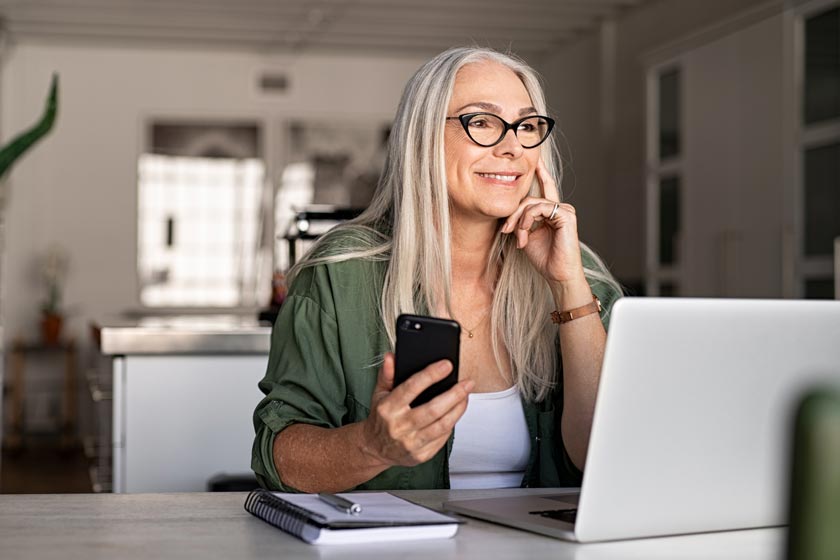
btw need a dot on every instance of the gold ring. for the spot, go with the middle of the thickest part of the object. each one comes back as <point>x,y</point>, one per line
<point>553,212</point>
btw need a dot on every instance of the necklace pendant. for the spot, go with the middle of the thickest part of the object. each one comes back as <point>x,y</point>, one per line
<point>470,334</point>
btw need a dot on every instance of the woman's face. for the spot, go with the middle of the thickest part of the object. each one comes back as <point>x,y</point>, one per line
<point>487,182</point>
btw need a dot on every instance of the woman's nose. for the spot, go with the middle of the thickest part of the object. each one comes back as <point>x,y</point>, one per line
<point>509,146</point>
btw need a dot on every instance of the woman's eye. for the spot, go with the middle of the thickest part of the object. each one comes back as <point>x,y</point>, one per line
<point>527,127</point>
<point>478,123</point>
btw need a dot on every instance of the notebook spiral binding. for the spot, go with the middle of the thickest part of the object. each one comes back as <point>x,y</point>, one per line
<point>280,513</point>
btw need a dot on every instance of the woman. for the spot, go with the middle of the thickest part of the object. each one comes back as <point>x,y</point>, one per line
<point>467,223</point>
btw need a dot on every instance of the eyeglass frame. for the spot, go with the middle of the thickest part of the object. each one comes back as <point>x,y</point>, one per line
<point>467,117</point>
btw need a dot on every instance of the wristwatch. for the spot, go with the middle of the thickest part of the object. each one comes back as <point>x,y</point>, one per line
<point>561,317</point>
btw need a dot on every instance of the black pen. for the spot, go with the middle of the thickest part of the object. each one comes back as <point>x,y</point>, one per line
<point>341,504</point>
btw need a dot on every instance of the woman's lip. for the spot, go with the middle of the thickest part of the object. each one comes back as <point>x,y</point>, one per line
<point>508,178</point>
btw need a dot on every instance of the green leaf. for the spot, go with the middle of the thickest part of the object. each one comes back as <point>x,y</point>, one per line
<point>23,141</point>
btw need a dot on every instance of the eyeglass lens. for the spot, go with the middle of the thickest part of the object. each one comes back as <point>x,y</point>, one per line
<point>489,129</point>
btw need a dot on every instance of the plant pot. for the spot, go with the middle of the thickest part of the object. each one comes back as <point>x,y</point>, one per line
<point>51,328</point>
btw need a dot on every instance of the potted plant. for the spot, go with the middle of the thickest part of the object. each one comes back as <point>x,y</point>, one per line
<point>11,152</point>
<point>54,269</point>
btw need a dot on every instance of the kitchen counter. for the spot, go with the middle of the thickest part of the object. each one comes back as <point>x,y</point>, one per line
<point>200,334</point>
<point>182,391</point>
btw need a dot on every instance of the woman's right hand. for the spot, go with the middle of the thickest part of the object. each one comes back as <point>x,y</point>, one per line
<point>395,433</point>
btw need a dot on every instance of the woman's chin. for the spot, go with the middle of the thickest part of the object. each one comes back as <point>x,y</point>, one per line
<point>501,211</point>
<point>487,211</point>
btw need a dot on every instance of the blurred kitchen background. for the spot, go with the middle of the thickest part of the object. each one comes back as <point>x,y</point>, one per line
<point>201,144</point>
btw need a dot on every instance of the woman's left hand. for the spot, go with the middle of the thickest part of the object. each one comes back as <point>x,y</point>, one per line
<point>551,245</point>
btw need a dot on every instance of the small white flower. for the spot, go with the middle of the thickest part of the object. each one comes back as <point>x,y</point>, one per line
<point>54,266</point>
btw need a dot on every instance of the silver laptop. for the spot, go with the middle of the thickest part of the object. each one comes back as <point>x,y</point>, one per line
<point>692,421</point>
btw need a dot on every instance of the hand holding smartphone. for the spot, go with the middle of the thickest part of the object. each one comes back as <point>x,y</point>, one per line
<point>422,341</point>
<point>397,433</point>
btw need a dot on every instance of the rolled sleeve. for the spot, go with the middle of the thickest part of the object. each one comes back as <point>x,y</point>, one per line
<point>608,295</point>
<point>304,382</point>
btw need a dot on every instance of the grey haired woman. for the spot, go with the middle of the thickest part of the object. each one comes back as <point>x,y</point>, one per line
<point>467,223</point>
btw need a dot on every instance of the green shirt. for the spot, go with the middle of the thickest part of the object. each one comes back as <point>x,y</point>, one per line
<point>326,346</point>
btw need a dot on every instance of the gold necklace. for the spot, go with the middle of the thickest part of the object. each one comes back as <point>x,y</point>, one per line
<point>470,331</point>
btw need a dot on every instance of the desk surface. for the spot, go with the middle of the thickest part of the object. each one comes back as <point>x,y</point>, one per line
<point>206,526</point>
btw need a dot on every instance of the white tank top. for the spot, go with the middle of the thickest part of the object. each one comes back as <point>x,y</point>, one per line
<point>492,444</point>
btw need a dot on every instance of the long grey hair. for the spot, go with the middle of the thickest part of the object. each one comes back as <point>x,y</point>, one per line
<point>412,195</point>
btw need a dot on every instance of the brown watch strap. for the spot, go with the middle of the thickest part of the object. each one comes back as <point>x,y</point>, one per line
<point>560,317</point>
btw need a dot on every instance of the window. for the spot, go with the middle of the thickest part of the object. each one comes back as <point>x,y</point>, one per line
<point>664,180</point>
<point>821,99</point>
<point>201,193</point>
<point>822,199</point>
<point>818,148</point>
<point>669,114</point>
<point>669,216</point>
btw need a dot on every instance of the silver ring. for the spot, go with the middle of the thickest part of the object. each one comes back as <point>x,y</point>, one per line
<point>553,212</point>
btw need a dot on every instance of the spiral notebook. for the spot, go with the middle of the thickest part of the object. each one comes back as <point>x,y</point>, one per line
<point>384,517</point>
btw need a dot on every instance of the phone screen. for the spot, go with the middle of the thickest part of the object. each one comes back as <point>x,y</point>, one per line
<point>422,341</point>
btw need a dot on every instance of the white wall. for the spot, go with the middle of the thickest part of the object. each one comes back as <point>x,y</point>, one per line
<point>573,91</point>
<point>733,155</point>
<point>611,179</point>
<point>78,187</point>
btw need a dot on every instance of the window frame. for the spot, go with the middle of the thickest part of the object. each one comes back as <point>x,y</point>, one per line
<point>657,169</point>
<point>799,268</point>
<point>271,142</point>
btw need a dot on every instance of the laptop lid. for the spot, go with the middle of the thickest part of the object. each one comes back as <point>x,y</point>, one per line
<point>694,412</point>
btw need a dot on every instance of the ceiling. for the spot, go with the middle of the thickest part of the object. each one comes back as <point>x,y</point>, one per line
<point>524,26</point>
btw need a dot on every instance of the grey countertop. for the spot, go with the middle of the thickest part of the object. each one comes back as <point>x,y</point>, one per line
<point>198,334</point>
<point>207,526</point>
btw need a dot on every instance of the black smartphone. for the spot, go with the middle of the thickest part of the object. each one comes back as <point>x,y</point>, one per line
<point>422,341</point>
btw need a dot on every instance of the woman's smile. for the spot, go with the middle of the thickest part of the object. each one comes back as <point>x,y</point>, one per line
<point>504,178</point>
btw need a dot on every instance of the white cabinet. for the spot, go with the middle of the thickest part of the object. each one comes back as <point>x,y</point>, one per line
<point>730,167</point>
<point>733,164</point>
<point>178,420</point>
